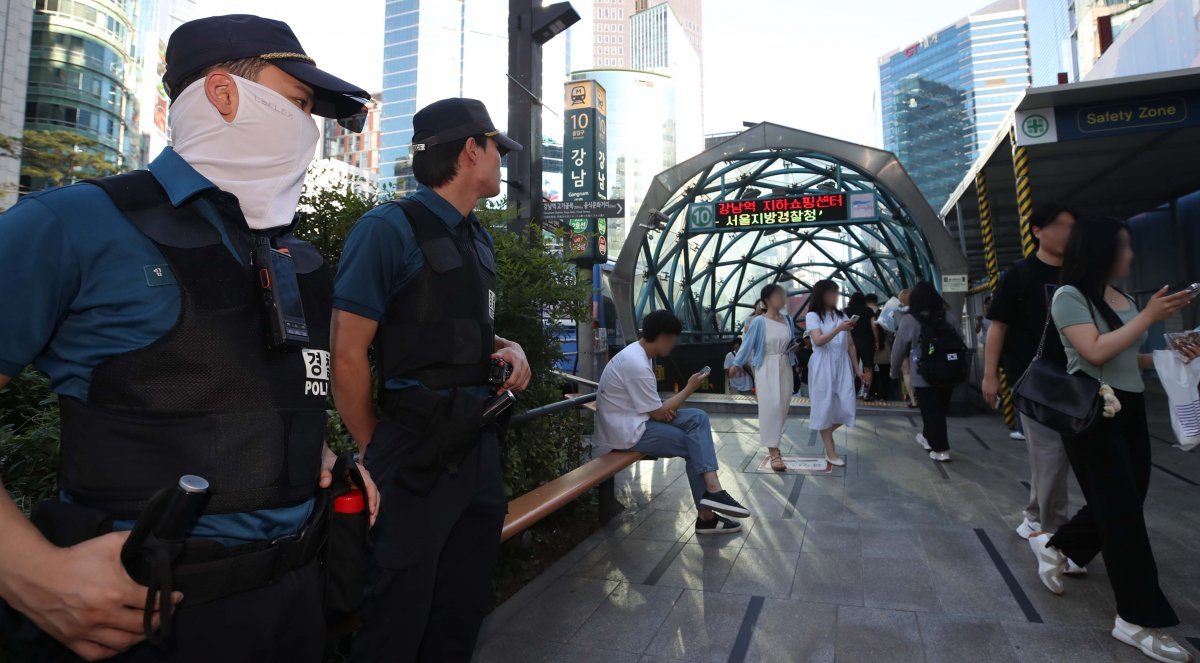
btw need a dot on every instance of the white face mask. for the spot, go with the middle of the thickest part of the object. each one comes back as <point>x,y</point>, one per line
<point>260,157</point>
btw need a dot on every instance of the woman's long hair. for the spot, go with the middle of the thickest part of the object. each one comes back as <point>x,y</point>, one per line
<point>816,301</point>
<point>925,302</point>
<point>1088,263</point>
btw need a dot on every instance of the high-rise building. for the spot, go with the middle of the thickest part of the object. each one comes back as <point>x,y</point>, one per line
<point>358,150</point>
<point>660,43</point>
<point>611,42</point>
<point>1050,50</point>
<point>81,74</point>
<point>16,27</point>
<point>983,61</point>
<point>641,137</point>
<point>157,20</point>
<point>1131,38</point>
<point>435,49</point>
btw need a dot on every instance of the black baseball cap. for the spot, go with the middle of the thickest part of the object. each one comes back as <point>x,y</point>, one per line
<point>204,42</point>
<point>455,118</point>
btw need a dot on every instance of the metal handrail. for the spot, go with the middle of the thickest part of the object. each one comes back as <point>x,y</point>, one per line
<point>551,408</point>
<point>575,378</point>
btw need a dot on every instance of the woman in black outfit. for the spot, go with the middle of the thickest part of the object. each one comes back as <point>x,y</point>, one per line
<point>925,306</point>
<point>864,339</point>
<point>1102,331</point>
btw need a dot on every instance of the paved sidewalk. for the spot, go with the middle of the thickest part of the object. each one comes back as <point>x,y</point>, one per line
<point>895,558</point>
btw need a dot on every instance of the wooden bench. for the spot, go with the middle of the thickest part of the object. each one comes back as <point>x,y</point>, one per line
<point>530,508</point>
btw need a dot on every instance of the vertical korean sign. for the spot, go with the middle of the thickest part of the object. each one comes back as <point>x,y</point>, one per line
<point>585,166</point>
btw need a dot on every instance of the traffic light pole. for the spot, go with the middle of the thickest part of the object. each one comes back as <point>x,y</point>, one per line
<point>524,116</point>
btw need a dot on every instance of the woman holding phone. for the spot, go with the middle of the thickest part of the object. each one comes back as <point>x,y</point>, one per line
<point>767,347</point>
<point>1102,332</point>
<point>833,366</point>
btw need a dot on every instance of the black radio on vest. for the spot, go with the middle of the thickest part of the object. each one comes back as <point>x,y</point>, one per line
<point>275,272</point>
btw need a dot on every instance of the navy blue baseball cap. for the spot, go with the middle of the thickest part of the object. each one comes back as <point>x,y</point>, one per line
<point>451,119</point>
<point>197,45</point>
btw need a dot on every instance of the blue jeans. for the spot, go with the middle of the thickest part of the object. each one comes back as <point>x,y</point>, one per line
<point>688,436</point>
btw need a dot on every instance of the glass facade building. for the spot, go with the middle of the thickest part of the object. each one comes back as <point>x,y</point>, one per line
<point>982,61</point>
<point>82,74</point>
<point>1050,51</point>
<point>641,137</point>
<point>435,49</point>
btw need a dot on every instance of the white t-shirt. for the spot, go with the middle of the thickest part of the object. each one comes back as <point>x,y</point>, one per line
<point>628,394</point>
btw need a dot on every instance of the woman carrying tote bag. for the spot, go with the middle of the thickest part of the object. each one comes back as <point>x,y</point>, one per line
<point>1102,330</point>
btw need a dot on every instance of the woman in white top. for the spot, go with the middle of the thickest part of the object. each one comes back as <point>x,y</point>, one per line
<point>832,369</point>
<point>767,348</point>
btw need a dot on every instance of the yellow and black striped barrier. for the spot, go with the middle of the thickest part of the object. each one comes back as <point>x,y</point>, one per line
<point>1024,195</point>
<point>993,271</point>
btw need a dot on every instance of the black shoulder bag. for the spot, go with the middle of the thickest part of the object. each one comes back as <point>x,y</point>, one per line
<point>1069,403</point>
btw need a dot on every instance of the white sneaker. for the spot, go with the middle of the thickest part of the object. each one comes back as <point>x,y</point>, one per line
<point>1051,563</point>
<point>1017,435</point>
<point>1074,569</point>
<point>1152,641</point>
<point>940,456</point>
<point>1027,528</point>
<point>923,442</point>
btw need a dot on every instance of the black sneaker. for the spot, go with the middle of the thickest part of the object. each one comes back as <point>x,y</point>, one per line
<point>718,525</point>
<point>723,502</point>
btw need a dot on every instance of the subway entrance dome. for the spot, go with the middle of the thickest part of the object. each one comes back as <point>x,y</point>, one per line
<point>778,205</point>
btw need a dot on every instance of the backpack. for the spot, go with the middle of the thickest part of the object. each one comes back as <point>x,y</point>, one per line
<point>943,360</point>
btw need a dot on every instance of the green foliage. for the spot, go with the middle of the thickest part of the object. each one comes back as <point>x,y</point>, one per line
<point>29,438</point>
<point>54,158</point>
<point>329,207</point>
<point>536,288</point>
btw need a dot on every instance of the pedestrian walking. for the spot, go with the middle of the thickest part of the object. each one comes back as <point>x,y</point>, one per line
<point>1018,316</point>
<point>832,368</point>
<point>927,316</point>
<point>1102,330</point>
<point>767,348</point>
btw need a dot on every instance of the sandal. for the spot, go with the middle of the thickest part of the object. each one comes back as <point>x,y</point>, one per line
<point>777,464</point>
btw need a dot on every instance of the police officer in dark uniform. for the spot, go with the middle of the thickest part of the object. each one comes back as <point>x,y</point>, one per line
<point>417,280</point>
<point>144,297</point>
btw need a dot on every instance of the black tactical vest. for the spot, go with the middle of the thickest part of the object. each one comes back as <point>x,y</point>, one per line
<point>208,398</point>
<point>439,329</point>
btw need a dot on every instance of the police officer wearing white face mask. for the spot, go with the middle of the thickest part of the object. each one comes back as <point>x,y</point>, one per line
<point>144,297</point>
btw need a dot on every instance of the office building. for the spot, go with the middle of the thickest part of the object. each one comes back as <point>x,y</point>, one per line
<point>435,49</point>
<point>81,66</point>
<point>359,150</point>
<point>659,43</point>
<point>1050,50</point>
<point>641,137</point>
<point>16,28</point>
<point>982,60</point>
<point>612,45</point>
<point>1132,38</point>
<point>157,20</point>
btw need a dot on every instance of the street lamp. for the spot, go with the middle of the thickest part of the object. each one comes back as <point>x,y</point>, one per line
<point>528,28</point>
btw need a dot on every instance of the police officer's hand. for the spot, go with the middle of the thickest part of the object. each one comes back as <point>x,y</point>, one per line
<point>83,598</point>
<point>515,357</point>
<point>328,459</point>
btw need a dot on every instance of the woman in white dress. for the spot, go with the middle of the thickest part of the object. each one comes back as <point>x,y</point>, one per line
<point>767,347</point>
<point>832,369</point>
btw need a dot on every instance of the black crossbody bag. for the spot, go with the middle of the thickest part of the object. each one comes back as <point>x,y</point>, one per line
<point>1069,403</point>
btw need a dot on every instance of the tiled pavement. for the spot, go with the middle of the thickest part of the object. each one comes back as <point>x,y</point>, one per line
<point>890,560</point>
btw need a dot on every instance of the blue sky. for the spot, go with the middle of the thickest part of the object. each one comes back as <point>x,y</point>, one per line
<point>810,64</point>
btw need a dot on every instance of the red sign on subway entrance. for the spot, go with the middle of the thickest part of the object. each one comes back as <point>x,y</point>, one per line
<point>765,213</point>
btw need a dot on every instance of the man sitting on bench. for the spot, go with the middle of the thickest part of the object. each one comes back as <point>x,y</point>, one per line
<point>631,415</point>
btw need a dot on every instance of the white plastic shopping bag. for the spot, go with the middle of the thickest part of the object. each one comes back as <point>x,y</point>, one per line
<point>1181,382</point>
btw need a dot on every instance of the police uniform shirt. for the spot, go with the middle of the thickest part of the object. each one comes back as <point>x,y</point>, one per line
<point>83,284</point>
<point>381,256</point>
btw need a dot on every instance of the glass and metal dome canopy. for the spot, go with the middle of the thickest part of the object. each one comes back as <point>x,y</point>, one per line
<point>776,205</point>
